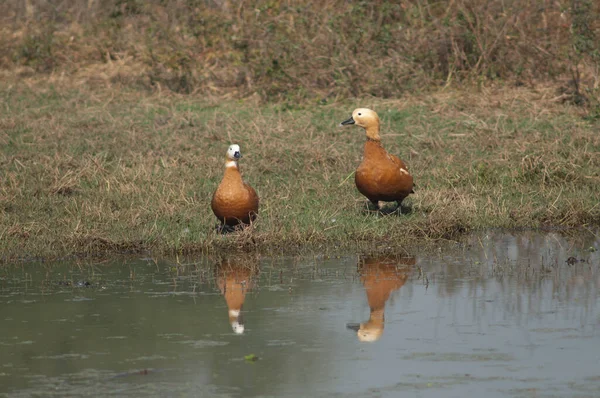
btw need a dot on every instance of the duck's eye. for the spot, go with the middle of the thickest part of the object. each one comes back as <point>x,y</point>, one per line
<point>359,114</point>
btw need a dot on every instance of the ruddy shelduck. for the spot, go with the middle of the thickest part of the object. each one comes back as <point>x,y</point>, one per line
<point>380,277</point>
<point>380,176</point>
<point>234,202</point>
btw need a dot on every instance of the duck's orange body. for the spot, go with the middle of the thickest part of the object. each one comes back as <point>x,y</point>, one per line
<point>380,176</point>
<point>234,202</point>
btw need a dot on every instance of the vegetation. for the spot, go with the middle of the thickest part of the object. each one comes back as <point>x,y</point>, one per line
<point>305,49</point>
<point>115,117</point>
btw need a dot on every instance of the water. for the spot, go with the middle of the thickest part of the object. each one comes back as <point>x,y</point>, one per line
<point>503,316</point>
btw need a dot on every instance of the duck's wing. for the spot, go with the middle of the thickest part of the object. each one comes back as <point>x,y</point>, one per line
<point>252,194</point>
<point>396,160</point>
<point>401,165</point>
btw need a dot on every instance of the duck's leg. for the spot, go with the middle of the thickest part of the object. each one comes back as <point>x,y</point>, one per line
<point>399,207</point>
<point>372,205</point>
<point>402,209</point>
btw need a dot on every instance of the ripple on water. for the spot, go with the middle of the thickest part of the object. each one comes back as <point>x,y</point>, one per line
<point>203,343</point>
<point>458,356</point>
<point>63,356</point>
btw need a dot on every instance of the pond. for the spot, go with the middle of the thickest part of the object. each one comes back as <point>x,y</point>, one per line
<point>504,314</point>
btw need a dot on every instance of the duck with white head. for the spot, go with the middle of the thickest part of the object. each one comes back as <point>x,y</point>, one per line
<point>235,203</point>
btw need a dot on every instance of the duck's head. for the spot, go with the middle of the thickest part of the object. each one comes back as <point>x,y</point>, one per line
<point>367,119</point>
<point>236,321</point>
<point>237,326</point>
<point>366,332</point>
<point>233,155</point>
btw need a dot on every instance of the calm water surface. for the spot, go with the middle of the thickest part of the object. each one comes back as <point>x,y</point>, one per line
<point>507,315</point>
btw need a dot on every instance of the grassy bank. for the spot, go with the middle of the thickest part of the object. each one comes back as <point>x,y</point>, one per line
<point>89,171</point>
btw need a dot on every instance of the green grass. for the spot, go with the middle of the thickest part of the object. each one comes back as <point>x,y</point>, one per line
<point>95,171</point>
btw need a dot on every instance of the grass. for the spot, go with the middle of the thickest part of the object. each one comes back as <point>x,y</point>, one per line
<point>92,171</point>
<point>287,51</point>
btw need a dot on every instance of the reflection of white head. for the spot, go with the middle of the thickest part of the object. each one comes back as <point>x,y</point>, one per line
<point>233,152</point>
<point>237,327</point>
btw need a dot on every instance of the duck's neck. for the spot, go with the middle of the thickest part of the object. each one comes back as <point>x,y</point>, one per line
<point>235,295</point>
<point>377,316</point>
<point>232,170</point>
<point>373,133</point>
<point>231,164</point>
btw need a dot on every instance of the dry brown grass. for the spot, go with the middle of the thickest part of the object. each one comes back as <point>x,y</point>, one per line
<point>307,50</point>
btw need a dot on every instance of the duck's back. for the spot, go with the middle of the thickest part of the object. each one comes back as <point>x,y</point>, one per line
<point>382,176</point>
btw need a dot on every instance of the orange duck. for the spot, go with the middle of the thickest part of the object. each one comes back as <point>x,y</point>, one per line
<point>235,279</point>
<point>380,176</point>
<point>380,277</point>
<point>234,202</point>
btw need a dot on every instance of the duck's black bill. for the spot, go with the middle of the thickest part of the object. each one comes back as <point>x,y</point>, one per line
<point>347,122</point>
<point>353,326</point>
<point>237,155</point>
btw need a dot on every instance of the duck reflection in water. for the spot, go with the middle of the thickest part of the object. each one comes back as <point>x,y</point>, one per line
<point>235,276</point>
<point>380,276</point>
